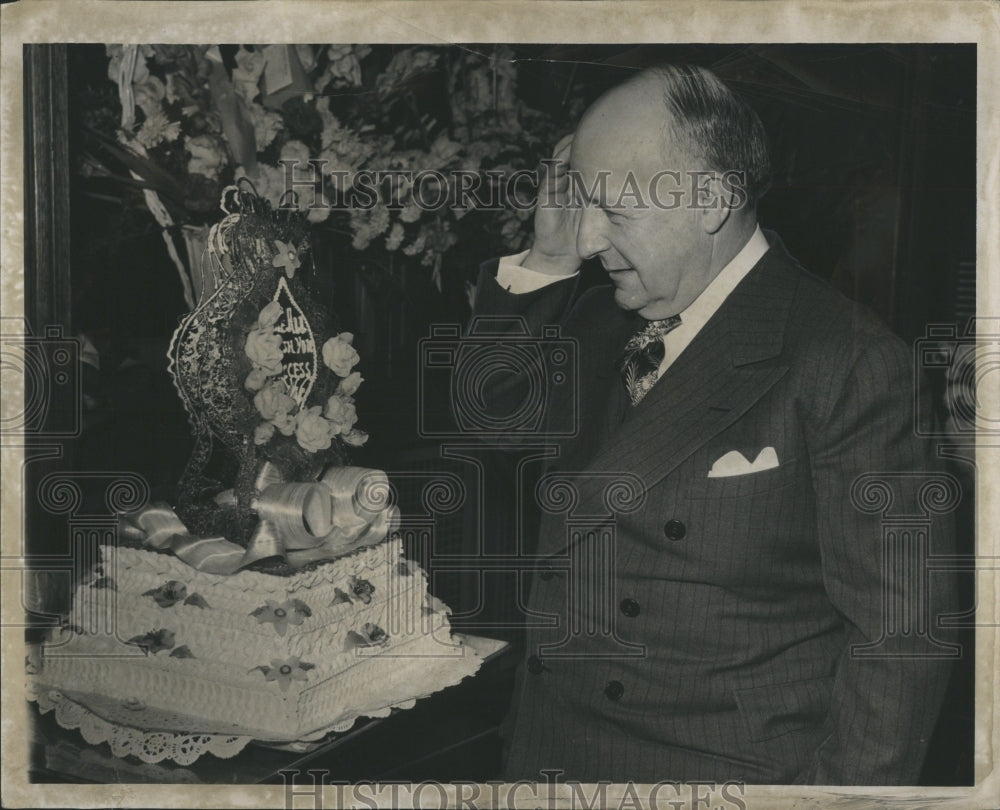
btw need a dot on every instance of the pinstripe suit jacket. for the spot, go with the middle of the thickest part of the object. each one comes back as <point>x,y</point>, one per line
<point>684,627</point>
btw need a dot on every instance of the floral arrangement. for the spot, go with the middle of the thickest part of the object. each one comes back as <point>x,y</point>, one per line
<point>268,380</point>
<point>196,118</point>
<point>316,427</point>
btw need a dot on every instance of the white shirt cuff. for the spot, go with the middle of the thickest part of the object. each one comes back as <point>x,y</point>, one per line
<point>518,280</point>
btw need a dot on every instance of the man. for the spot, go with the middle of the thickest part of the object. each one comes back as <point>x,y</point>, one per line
<point>718,629</point>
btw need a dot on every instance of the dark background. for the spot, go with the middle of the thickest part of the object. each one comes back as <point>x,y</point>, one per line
<point>873,149</point>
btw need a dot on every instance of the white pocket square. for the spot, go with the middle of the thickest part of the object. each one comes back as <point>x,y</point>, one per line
<point>735,463</point>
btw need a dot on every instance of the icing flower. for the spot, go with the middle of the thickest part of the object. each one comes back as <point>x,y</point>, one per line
<point>255,380</point>
<point>168,594</point>
<point>154,641</point>
<point>284,671</point>
<point>350,384</point>
<point>285,423</point>
<point>281,615</point>
<point>263,347</point>
<point>312,431</point>
<point>341,414</point>
<point>263,432</point>
<point>272,401</point>
<point>355,438</point>
<point>371,635</point>
<point>340,355</point>
<point>269,315</point>
<point>362,589</point>
<point>287,257</point>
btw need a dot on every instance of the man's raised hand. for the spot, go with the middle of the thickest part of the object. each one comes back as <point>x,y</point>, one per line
<point>556,219</point>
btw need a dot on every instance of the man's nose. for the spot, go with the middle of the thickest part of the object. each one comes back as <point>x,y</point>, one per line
<point>591,238</point>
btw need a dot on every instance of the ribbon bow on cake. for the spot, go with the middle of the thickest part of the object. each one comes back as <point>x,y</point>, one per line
<point>348,507</point>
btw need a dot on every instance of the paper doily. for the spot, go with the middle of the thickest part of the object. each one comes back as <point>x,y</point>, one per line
<point>149,746</point>
<point>184,749</point>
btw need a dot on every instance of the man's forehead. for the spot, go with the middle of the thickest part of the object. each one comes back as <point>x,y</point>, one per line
<point>626,131</point>
<point>603,168</point>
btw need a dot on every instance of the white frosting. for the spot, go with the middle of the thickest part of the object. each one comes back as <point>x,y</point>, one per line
<point>223,687</point>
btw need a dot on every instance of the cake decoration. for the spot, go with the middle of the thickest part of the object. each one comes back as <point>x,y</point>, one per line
<point>274,600</point>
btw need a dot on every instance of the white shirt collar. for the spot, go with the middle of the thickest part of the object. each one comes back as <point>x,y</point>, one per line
<point>704,306</point>
<point>708,302</point>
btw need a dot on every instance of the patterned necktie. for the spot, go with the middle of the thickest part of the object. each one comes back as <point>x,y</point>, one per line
<point>640,364</point>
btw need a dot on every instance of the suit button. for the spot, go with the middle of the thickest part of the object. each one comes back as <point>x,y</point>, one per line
<point>614,690</point>
<point>630,608</point>
<point>535,665</point>
<point>674,529</point>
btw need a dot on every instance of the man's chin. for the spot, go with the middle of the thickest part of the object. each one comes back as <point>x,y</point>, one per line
<point>627,299</point>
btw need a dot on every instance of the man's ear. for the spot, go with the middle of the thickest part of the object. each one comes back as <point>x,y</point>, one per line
<point>716,200</point>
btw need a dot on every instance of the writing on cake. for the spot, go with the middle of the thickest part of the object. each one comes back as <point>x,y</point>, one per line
<point>299,360</point>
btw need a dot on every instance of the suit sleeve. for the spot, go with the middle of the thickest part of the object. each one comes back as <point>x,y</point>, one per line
<point>501,342</point>
<point>548,305</point>
<point>884,706</point>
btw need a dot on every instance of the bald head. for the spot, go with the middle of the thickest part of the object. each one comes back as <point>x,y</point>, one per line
<point>631,123</point>
<point>685,118</point>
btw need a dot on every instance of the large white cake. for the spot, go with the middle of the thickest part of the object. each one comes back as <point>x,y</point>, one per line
<point>156,644</point>
<point>279,608</point>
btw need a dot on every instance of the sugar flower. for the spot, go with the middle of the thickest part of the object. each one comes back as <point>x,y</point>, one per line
<point>255,380</point>
<point>282,614</point>
<point>287,257</point>
<point>350,384</point>
<point>286,670</point>
<point>263,432</point>
<point>284,423</point>
<point>339,355</point>
<point>341,414</point>
<point>370,635</point>
<point>312,431</point>
<point>355,437</point>
<point>168,594</point>
<point>269,315</point>
<point>272,401</point>
<point>263,347</point>
<point>154,641</point>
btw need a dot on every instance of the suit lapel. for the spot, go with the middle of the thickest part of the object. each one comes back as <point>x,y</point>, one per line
<point>602,395</point>
<point>730,365</point>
